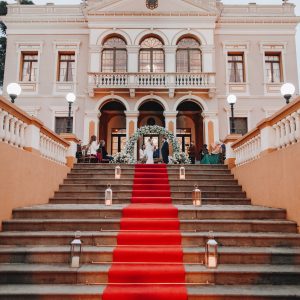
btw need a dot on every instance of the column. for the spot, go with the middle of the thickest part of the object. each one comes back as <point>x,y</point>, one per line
<point>170,63</point>
<point>170,120</point>
<point>91,126</point>
<point>95,58</point>
<point>133,64</point>
<point>211,127</point>
<point>208,58</point>
<point>131,126</point>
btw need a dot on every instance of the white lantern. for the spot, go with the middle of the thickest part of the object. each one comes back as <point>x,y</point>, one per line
<point>211,253</point>
<point>108,195</point>
<point>76,249</point>
<point>182,173</point>
<point>118,172</point>
<point>197,196</point>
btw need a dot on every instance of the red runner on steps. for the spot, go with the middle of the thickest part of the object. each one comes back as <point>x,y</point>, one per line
<point>148,260</point>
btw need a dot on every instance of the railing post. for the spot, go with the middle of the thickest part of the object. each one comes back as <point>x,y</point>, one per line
<point>32,136</point>
<point>71,152</point>
<point>268,138</point>
<point>230,155</point>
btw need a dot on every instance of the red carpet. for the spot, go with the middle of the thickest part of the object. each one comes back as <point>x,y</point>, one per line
<point>148,260</point>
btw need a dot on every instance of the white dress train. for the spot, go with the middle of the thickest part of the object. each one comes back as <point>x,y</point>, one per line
<point>149,152</point>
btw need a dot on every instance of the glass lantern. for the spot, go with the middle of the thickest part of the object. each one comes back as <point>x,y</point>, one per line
<point>76,249</point>
<point>197,196</point>
<point>182,173</point>
<point>108,195</point>
<point>211,253</point>
<point>118,172</point>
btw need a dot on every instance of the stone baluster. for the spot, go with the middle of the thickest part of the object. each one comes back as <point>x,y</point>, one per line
<point>276,127</point>
<point>18,133</point>
<point>13,130</point>
<point>22,134</point>
<point>282,133</point>
<point>296,116</point>
<point>3,115</point>
<point>292,138</point>
<point>8,117</point>
<point>287,132</point>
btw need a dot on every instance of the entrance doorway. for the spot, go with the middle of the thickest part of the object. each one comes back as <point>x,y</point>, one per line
<point>118,140</point>
<point>112,125</point>
<point>190,126</point>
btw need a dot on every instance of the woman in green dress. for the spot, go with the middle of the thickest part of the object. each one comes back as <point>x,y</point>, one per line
<point>214,157</point>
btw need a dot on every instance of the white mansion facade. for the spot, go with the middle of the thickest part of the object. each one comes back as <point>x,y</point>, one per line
<point>129,66</point>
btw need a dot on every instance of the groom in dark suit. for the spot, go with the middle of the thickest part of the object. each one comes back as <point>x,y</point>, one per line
<point>165,150</point>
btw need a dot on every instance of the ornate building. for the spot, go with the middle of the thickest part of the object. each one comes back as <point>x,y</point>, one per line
<point>129,65</point>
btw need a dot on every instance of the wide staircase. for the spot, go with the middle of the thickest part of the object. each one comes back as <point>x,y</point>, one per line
<point>259,249</point>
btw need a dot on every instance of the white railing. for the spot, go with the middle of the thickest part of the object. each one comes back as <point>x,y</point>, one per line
<point>156,80</point>
<point>12,129</point>
<point>287,130</point>
<point>21,130</point>
<point>279,131</point>
<point>248,151</point>
<point>52,150</point>
<point>194,80</point>
<point>109,80</point>
<point>151,80</point>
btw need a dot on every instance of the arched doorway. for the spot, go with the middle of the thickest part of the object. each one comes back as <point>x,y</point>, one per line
<point>189,125</point>
<point>151,112</point>
<point>112,128</point>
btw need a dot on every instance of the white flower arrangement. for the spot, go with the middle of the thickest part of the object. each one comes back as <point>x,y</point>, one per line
<point>127,155</point>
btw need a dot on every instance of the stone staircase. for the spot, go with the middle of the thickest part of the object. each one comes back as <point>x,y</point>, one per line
<point>259,248</point>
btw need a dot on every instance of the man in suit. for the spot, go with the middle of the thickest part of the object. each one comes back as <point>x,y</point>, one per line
<point>165,150</point>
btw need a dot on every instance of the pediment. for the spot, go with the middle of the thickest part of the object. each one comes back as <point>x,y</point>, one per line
<point>138,6</point>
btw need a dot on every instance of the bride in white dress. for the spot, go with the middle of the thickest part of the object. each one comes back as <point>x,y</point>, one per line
<point>149,152</point>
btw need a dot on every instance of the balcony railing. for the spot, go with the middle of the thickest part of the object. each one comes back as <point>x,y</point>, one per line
<point>154,80</point>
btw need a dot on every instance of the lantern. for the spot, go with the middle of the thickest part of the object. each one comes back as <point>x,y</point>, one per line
<point>197,196</point>
<point>182,173</point>
<point>76,249</point>
<point>108,195</point>
<point>118,172</point>
<point>211,253</point>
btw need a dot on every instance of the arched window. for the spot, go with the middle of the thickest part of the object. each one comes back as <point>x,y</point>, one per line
<point>152,56</point>
<point>114,55</point>
<point>188,58</point>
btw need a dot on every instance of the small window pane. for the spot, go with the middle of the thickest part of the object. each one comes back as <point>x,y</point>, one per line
<point>236,67</point>
<point>188,43</point>
<point>29,67</point>
<point>66,67</point>
<point>114,42</point>
<point>61,124</point>
<point>151,42</point>
<point>241,125</point>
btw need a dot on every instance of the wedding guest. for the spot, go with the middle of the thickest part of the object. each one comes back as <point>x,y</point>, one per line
<point>214,157</point>
<point>192,153</point>
<point>156,152</point>
<point>204,151</point>
<point>79,149</point>
<point>92,146</point>
<point>142,153</point>
<point>165,150</point>
<point>103,151</point>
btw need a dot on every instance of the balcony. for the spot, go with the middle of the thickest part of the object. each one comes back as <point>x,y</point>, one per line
<point>135,81</point>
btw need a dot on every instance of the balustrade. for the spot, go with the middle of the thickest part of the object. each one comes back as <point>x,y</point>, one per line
<point>287,130</point>
<point>144,80</point>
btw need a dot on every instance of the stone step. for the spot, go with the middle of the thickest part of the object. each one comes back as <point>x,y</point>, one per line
<point>121,194</point>
<point>169,167</point>
<point>75,211</point>
<point>195,292</point>
<point>185,225</point>
<point>104,254</point>
<point>100,171</point>
<point>127,200</point>
<point>196,274</point>
<point>120,186</point>
<point>93,238</point>
<point>172,182</point>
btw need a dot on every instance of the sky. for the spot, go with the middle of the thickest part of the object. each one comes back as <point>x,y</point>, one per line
<point>297,2</point>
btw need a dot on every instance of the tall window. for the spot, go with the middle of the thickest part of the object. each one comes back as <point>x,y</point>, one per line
<point>66,67</point>
<point>236,67</point>
<point>241,125</point>
<point>29,67</point>
<point>273,67</point>
<point>61,124</point>
<point>114,55</point>
<point>152,56</point>
<point>188,56</point>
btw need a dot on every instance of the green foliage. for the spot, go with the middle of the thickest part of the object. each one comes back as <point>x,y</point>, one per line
<point>3,8</point>
<point>26,2</point>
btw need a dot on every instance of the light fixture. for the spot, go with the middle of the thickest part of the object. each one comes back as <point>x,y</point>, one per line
<point>108,195</point>
<point>182,173</point>
<point>13,90</point>
<point>211,252</point>
<point>70,97</point>
<point>231,99</point>
<point>152,4</point>
<point>117,172</point>
<point>76,249</point>
<point>287,91</point>
<point>197,196</point>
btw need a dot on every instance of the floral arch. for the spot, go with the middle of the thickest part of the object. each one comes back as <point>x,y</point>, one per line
<point>127,155</point>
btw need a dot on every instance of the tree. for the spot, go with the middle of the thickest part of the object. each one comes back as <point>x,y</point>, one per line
<point>3,12</point>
